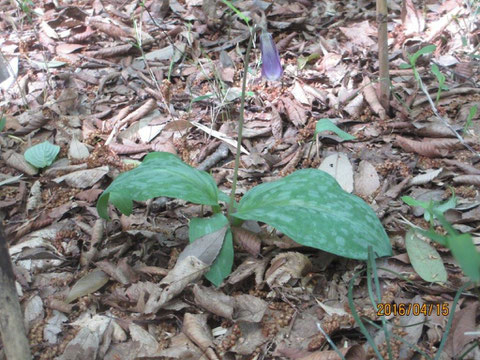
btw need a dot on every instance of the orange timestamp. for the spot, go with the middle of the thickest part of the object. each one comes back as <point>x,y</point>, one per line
<point>416,309</point>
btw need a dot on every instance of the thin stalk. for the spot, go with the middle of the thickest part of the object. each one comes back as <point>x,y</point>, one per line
<point>231,207</point>
<point>384,77</point>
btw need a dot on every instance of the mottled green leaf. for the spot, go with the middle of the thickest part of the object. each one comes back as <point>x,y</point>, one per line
<point>310,207</point>
<point>42,155</point>
<point>328,125</point>
<point>222,266</point>
<point>425,259</point>
<point>160,174</point>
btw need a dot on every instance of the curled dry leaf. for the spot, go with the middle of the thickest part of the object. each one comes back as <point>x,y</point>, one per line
<point>429,175</point>
<point>33,122</point>
<point>214,301</point>
<point>239,308</point>
<point>185,272</point>
<point>142,111</point>
<point>109,29</point>
<point>372,99</point>
<point>35,198</point>
<point>467,179</point>
<point>182,348</point>
<point>247,239</point>
<point>18,162</point>
<point>467,168</point>
<point>295,112</point>
<point>355,106</point>
<point>111,51</point>
<point>285,267</point>
<point>248,267</point>
<point>85,345</point>
<point>121,149</point>
<point>121,272</point>
<point>427,149</point>
<point>84,178</point>
<point>196,328</point>
<point>412,18</point>
<point>276,123</point>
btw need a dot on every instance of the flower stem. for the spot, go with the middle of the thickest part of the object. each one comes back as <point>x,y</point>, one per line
<point>231,207</point>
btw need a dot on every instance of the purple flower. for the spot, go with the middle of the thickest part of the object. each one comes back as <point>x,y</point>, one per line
<point>271,66</point>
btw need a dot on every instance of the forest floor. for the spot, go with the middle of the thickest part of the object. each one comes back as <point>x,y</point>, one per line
<point>109,81</point>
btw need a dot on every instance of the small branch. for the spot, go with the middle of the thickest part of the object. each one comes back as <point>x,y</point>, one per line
<point>384,77</point>
<point>231,208</point>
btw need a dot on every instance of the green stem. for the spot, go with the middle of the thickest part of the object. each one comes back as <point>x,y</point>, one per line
<point>231,207</point>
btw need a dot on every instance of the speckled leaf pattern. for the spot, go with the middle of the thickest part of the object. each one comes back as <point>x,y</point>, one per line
<point>160,174</point>
<point>310,207</point>
<point>222,266</point>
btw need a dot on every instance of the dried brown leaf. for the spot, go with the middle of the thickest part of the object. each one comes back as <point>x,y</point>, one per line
<point>214,301</point>
<point>17,161</point>
<point>109,29</point>
<point>34,121</point>
<point>427,149</point>
<point>366,179</point>
<point>412,18</point>
<point>285,267</point>
<point>122,272</point>
<point>371,96</point>
<point>77,150</point>
<point>463,321</point>
<point>248,240</point>
<point>295,112</point>
<point>196,328</point>
<point>111,51</point>
<point>467,179</point>
<point>276,123</point>
<point>122,149</point>
<point>97,236</point>
<point>183,274</point>
<point>84,178</point>
<point>248,267</point>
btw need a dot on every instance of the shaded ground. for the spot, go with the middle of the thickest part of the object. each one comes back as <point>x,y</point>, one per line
<point>110,81</point>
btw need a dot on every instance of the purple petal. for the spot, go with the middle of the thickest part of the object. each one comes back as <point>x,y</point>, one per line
<point>271,66</point>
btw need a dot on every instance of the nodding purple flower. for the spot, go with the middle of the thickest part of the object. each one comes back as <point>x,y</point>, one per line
<point>271,66</point>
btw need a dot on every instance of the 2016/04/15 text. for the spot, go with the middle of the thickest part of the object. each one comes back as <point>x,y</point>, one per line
<point>405,309</point>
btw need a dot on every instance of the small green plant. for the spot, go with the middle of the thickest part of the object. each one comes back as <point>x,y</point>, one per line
<point>309,205</point>
<point>441,81</point>
<point>471,114</point>
<point>42,155</point>
<point>461,245</point>
<point>3,122</point>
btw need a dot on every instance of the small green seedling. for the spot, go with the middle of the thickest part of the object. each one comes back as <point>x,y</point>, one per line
<point>441,81</point>
<point>471,115</point>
